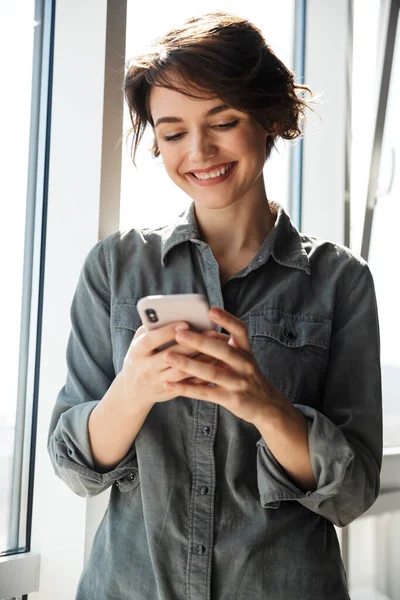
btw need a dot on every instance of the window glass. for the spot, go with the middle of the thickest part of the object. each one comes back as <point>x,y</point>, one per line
<point>384,238</point>
<point>383,256</point>
<point>17,31</point>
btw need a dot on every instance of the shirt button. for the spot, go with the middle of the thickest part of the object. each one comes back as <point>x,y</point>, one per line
<point>132,476</point>
<point>259,258</point>
<point>204,490</point>
<point>290,335</point>
<point>117,483</point>
<point>206,431</point>
<point>200,549</point>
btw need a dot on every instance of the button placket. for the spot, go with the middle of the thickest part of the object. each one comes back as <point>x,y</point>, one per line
<point>203,498</point>
<point>201,532</point>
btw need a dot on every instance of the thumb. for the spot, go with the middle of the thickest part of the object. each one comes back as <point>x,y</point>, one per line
<point>142,329</point>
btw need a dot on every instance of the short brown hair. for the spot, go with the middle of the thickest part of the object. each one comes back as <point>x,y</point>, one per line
<point>226,57</point>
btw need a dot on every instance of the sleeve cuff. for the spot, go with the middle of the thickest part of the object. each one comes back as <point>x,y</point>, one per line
<point>330,455</point>
<point>70,449</point>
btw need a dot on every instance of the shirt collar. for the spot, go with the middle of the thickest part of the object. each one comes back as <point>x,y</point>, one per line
<point>184,228</point>
<point>283,243</point>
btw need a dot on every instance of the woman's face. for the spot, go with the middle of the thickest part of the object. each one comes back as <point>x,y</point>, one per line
<point>197,138</point>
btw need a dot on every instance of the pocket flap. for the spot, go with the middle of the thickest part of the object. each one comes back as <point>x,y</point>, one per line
<point>291,330</point>
<point>126,314</point>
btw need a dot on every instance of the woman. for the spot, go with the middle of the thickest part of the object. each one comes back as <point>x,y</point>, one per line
<point>230,490</point>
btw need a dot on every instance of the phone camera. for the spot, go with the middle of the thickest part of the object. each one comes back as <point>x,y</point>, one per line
<point>151,315</point>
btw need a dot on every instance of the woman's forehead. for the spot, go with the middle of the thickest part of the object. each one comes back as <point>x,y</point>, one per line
<point>163,100</point>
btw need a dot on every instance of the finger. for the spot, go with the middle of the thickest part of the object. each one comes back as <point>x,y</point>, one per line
<point>218,335</point>
<point>227,379</point>
<point>215,348</point>
<point>173,375</point>
<point>195,354</point>
<point>151,340</point>
<point>158,360</point>
<point>235,326</point>
<point>207,392</point>
<point>193,380</point>
<point>204,359</point>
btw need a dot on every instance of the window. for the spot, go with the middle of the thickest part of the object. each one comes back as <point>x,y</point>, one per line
<point>373,550</point>
<point>382,256</point>
<point>25,58</point>
<point>15,302</point>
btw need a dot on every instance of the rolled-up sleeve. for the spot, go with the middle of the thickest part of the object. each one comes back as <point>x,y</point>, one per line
<point>345,436</point>
<point>89,375</point>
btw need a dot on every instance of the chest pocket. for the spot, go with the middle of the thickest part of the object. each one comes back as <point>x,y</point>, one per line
<point>124,324</point>
<point>292,352</point>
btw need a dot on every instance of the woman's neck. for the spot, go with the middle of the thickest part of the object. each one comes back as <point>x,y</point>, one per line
<point>236,230</point>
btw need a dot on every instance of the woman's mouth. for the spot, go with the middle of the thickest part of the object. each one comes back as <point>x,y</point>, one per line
<point>213,177</point>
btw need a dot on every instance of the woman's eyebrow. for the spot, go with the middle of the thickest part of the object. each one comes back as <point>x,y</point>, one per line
<point>209,113</point>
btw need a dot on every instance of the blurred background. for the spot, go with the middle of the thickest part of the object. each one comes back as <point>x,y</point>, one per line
<point>67,180</point>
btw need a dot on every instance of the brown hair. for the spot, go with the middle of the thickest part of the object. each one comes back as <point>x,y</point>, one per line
<point>226,57</point>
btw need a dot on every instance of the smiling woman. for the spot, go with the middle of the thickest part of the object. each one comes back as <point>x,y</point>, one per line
<point>233,453</point>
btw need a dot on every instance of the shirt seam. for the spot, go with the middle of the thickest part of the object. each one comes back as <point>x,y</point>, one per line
<point>107,265</point>
<point>353,284</point>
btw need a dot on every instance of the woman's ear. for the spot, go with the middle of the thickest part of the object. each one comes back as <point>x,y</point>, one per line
<point>154,148</point>
<point>277,129</point>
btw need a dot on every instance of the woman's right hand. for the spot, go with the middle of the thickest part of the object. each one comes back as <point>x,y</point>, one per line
<point>144,370</point>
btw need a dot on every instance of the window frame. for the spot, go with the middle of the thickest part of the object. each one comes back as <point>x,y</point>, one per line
<point>19,567</point>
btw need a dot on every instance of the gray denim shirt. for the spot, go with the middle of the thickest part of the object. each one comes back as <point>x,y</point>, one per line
<point>200,509</point>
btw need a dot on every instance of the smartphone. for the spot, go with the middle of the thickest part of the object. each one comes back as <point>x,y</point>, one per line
<point>156,311</point>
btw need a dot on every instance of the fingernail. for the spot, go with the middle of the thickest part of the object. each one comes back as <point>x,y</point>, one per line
<point>182,327</point>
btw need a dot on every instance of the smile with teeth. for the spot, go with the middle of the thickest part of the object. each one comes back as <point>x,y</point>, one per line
<point>214,174</point>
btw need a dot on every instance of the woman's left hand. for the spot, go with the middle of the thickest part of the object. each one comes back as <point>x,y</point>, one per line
<point>238,384</point>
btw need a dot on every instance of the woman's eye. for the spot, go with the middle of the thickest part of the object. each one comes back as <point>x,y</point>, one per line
<point>177,136</point>
<point>171,138</point>
<point>227,125</point>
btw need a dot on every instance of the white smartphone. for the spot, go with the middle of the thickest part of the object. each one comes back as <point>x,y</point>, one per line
<point>156,311</point>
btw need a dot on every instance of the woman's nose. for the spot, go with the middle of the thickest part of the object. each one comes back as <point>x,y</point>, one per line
<point>201,147</point>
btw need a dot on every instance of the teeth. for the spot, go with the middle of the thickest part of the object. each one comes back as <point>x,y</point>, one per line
<point>214,174</point>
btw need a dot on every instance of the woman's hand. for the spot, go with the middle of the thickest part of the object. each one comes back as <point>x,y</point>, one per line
<point>235,382</point>
<point>145,370</point>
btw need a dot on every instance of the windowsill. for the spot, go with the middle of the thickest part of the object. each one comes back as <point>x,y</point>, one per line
<point>19,574</point>
<point>391,451</point>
